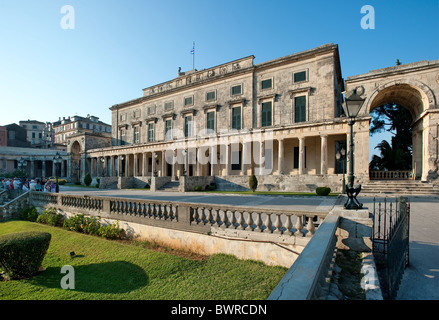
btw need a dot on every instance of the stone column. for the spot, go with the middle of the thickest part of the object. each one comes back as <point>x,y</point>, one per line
<point>324,154</point>
<point>113,166</point>
<point>32,168</point>
<point>43,162</point>
<point>82,167</point>
<point>163,173</point>
<point>145,164</point>
<point>228,159</point>
<point>119,165</point>
<point>92,168</point>
<point>127,160</point>
<point>53,168</point>
<point>280,156</point>
<point>63,168</point>
<point>69,167</point>
<point>212,160</point>
<point>301,155</point>
<point>135,165</point>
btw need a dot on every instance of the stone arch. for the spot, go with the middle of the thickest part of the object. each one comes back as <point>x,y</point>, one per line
<point>411,94</point>
<point>416,97</point>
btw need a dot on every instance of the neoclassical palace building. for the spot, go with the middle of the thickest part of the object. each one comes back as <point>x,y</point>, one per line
<point>281,120</point>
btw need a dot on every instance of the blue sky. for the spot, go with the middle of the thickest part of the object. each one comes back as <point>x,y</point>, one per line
<point>120,47</point>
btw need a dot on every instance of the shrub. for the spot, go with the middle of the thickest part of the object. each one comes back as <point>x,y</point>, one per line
<point>323,191</point>
<point>61,182</point>
<point>29,214</point>
<point>198,188</point>
<point>93,226</point>
<point>253,182</point>
<point>210,188</point>
<point>111,231</point>
<point>74,223</point>
<point>51,217</point>
<point>98,180</point>
<point>87,179</point>
<point>22,253</point>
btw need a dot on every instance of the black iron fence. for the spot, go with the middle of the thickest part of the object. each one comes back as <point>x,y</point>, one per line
<point>391,242</point>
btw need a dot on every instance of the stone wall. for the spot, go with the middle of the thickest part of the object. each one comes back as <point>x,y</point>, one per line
<point>189,183</point>
<point>291,183</point>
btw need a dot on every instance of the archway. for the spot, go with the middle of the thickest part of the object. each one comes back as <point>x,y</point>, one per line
<point>76,161</point>
<point>405,156</point>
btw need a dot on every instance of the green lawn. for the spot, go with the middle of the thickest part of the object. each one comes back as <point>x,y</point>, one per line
<point>106,269</point>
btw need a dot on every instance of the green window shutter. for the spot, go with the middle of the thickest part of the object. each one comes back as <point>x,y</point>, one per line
<point>300,76</point>
<point>236,90</point>
<point>300,109</point>
<point>210,96</point>
<point>266,114</point>
<point>210,121</point>
<point>266,84</point>
<point>236,118</point>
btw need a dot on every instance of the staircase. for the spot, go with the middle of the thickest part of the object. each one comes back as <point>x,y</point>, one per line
<point>170,186</point>
<point>403,187</point>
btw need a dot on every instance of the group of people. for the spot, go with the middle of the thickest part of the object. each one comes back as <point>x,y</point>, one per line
<point>28,184</point>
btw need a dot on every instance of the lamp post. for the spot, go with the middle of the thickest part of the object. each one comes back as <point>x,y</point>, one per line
<point>341,154</point>
<point>154,164</point>
<point>22,163</point>
<point>352,107</point>
<point>57,161</point>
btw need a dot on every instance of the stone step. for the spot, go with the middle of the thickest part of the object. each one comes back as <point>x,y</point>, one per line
<point>170,186</point>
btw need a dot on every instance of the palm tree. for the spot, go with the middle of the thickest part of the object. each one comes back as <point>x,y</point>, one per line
<point>391,159</point>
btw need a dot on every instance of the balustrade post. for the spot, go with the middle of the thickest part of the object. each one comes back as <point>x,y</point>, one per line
<point>299,227</point>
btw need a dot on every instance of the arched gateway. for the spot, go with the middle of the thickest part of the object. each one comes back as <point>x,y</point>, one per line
<point>414,86</point>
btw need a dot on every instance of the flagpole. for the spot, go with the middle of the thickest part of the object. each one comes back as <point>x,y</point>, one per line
<point>193,56</point>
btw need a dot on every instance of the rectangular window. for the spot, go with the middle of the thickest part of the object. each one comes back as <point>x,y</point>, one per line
<point>266,114</point>
<point>210,96</point>
<point>300,109</point>
<point>236,118</point>
<point>136,135</point>
<point>188,101</point>
<point>188,126</point>
<point>210,121</point>
<point>33,135</point>
<point>150,132</point>
<point>169,105</point>
<point>236,90</point>
<point>168,129</point>
<point>299,76</point>
<point>151,110</point>
<point>267,84</point>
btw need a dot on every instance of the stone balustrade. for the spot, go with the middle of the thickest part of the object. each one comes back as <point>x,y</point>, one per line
<point>188,216</point>
<point>12,208</point>
<point>391,175</point>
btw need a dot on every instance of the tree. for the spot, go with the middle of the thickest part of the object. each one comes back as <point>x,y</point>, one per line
<point>391,159</point>
<point>397,120</point>
<point>253,182</point>
<point>87,179</point>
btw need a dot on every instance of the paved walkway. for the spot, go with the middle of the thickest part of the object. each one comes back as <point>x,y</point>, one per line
<point>421,278</point>
<point>264,201</point>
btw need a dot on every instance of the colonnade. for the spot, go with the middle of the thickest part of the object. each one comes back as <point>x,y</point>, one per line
<point>241,158</point>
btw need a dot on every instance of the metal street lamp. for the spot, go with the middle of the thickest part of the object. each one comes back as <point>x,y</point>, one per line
<point>57,161</point>
<point>352,107</point>
<point>22,163</point>
<point>341,154</point>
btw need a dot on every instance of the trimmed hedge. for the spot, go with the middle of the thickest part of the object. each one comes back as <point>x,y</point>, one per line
<point>323,191</point>
<point>22,253</point>
<point>253,182</point>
